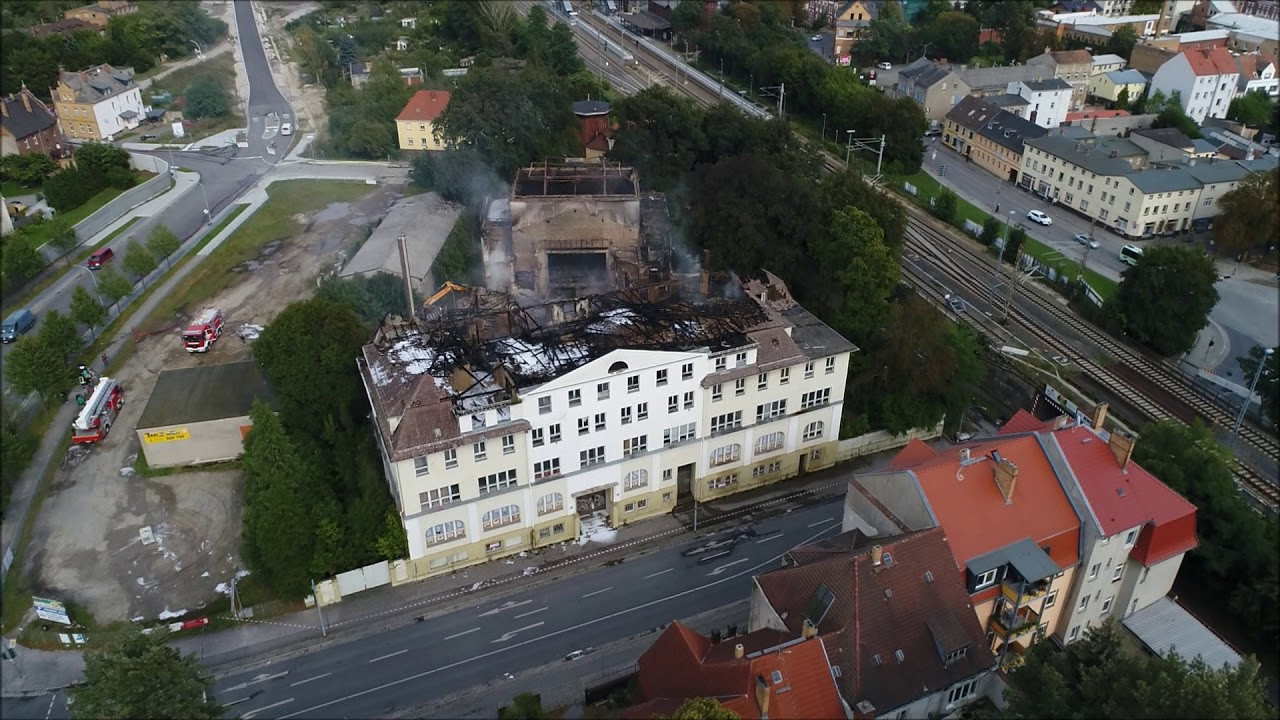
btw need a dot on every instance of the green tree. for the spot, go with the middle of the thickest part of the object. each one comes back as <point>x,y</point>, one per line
<point>946,206</point>
<point>318,57</point>
<point>952,35</point>
<point>17,447</point>
<point>1122,41</point>
<point>138,260</point>
<point>1099,676</point>
<point>686,17</point>
<point>19,260</point>
<point>206,98</point>
<point>58,332</point>
<point>887,37</point>
<point>703,708</point>
<point>847,188</point>
<point>113,286</point>
<point>859,273</point>
<point>163,243</point>
<point>62,236</point>
<point>990,231</point>
<point>392,542</point>
<point>1166,297</point>
<point>98,157</point>
<point>140,676</point>
<point>1013,245</point>
<point>278,536</point>
<point>86,309</point>
<point>1268,382</point>
<point>1254,109</point>
<point>34,366</point>
<point>1249,215</point>
<point>1122,98</point>
<point>69,188</point>
<point>1169,114</point>
<point>659,134</point>
<point>28,170</point>
<point>372,297</point>
<point>525,706</point>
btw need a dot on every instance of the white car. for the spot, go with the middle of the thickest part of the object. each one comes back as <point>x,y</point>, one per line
<point>1039,217</point>
<point>286,129</point>
<point>1085,240</point>
<point>885,66</point>
<point>816,38</point>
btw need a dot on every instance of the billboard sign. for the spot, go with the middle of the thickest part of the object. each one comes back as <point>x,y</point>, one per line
<point>170,435</point>
<point>50,610</point>
<point>178,130</point>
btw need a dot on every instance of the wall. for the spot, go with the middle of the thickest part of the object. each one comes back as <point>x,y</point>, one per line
<point>211,441</point>
<point>417,136</point>
<point>129,199</point>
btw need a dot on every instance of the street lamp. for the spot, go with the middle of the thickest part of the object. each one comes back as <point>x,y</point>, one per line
<point>92,277</point>
<point>721,91</point>
<point>199,50</point>
<point>1244,407</point>
<point>848,149</point>
<point>208,217</point>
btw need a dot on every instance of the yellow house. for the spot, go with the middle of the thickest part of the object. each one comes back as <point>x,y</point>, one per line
<point>414,124</point>
<point>850,21</point>
<point>1108,85</point>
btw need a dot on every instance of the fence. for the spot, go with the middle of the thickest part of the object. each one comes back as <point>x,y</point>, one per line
<point>881,440</point>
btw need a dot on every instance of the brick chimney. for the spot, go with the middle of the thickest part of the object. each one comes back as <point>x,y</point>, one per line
<point>877,552</point>
<point>1006,478</point>
<point>809,630</point>
<point>1099,415</point>
<point>4,107</point>
<point>762,696</point>
<point>26,99</point>
<point>739,651</point>
<point>1122,447</point>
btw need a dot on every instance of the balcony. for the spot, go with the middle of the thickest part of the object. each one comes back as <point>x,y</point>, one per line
<point>1016,655</point>
<point>1009,625</point>
<point>1029,591</point>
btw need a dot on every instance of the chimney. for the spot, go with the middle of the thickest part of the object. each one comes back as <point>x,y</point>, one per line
<point>408,279</point>
<point>964,455</point>
<point>4,107</point>
<point>809,630</point>
<point>739,651</point>
<point>1006,478</point>
<point>762,696</point>
<point>706,280</point>
<point>1099,415</point>
<point>877,552</point>
<point>26,99</point>
<point>1122,447</point>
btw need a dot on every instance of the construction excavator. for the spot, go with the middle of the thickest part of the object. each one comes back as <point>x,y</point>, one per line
<point>449,286</point>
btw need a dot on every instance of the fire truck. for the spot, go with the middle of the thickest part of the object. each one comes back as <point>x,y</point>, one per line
<point>94,421</point>
<point>203,330</point>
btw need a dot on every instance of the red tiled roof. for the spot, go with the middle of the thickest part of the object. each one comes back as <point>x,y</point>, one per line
<point>425,106</point>
<point>1217,61</point>
<point>912,602</point>
<point>914,453</point>
<point>1126,498</point>
<point>682,664</point>
<point>1022,421</point>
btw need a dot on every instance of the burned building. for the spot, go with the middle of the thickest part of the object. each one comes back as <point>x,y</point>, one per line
<point>575,228</point>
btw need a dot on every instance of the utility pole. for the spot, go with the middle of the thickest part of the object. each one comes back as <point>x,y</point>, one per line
<point>720,92</point>
<point>314,596</point>
<point>1244,407</point>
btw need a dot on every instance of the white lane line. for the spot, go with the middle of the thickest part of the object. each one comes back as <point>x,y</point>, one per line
<point>531,612</point>
<point>464,632</point>
<point>507,636</point>
<point>598,592</point>
<point>506,606</point>
<point>663,572</point>
<point>251,713</point>
<point>554,633</point>
<point>300,682</point>
<point>726,566</point>
<point>390,655</point>
<point>765,540</point>
<point>824,522</point>
<point>49,712</point>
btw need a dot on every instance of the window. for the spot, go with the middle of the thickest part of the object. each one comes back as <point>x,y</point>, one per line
<point>497,481</point>
<point>555,433</point>
<point>662,378</point>
<point>985,579</point>
<point>602,391</point>
<point>629,507</point>
<point>722,482</point>
<point>498,517</point>
<point>1084,604</point>
<point>642,504</point>
<point>478,450</point>
<point>688,400</point>
<point>599,421</point>
<point>1075,633</point>
<point>633,384</point>
<point>726,422</point>
<point>440,496</point>
<point>635,479</point>
<point>626,415</point>
<point>642,411</point>
<point>591,456</point>
<point>1128,539</point>
<point>725,455</point>
<point>477,421</point>
<point>771,410</point>
<point>1106,605</point>
<point>762,381</point>
<point>632,446</point>
<point>679,433</point>
<point>1051,599</point>
<point>808,370</point>
<point>812,431</point>
<point>784,376</point>
<point>420,467</point>
<point>1093,571</point>
<point>584,426</point>
<point>717,392</point>
<point>769,443</point>
<point>814,398</point>
<point>544,405</point>
<point>686,371</point>
<point>764,470</point>
<point>739,359</point>
<point>740,387</point>
<point>539,437</point>
<point>575,398</point>
<point>831,365</point>
<point>549,503</point>
<point>444,532</point>
<point>667,475</point>
<point>962,692</point>
<point>508,444</point>
<point>666,497</point>
<point>722,362</point>
<point>955,655</point>
<point>546,468</point>
<point>899,656</point>
<point>1117,573</point>
<point>451,458</point>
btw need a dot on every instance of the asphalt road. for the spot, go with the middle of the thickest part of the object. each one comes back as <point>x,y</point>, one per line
<point>266,109</point>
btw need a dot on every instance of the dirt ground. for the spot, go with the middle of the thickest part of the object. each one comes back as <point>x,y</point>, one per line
<point>86,543</point>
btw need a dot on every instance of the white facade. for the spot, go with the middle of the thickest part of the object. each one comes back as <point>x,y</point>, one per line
<point>1202,95</point>
<point>107,112</point>
<point>1266,80</point>
<point>1047,102</point>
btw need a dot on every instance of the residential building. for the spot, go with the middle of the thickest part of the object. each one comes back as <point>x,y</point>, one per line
<point>1257,73</point>
<point>1205,81</point>
<point>1148,57</point>
<point>60,27</point>
<point>851,19</point>
<point>1111,85</point>
<point>595,131</point>
<point>98,103</point>
<point>27,126</point>
<point>1164,144</point>
<point>1117,123</point>
<point>410,23</point>
<point>506,426</point>
<point>359,73</point>
<point>1047,100</point>
<point>1103,64</point>
<point>415,125</point>
<point>100,12</point>
<point>988,136</point>
<point>1097,29</point>
<point>1072,66</point>
<point>763,674</point>
<point>894,616</point>
<point>939,87</point>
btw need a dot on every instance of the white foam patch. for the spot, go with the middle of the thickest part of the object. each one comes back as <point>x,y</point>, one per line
<point>167,613</point>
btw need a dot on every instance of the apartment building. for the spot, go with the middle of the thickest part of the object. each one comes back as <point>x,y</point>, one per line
<point>989,136</point>
<point>1047,100</point>
<point>1204,80</point>
<point>415,125</point>
<point>505,427</point>
<point>1112,85</point>
<point>1072,66</point>
<point>1103,64</point>
<point>27,126</point>
<point>938,88</point>
<point>1257,73</point>
<point>98,103</point>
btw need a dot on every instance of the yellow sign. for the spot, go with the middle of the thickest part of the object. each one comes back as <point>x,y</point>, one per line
<point>166,436</point>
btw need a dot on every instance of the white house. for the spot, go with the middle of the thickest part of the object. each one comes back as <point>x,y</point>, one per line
<point>99,103</point>
<point>1047,100</point>
<point>1103,64</point>
<point>1257,72</point>
<point>1205,80</point>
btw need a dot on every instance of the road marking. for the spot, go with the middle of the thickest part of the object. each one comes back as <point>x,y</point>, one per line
<point>506,606</point>
<point>251,713</point>
<point>261,677</point>
<point>300,682</point>
<point>663,572</point>
<point>709,558</point>
<point>824,522</point>
<point>389,655</point>
<point>726,566</point>
<point>531,612</point>
<point>507,636</point>
<point>771,537</point>
<point>554,633</point>
<point>49,712</point>
<point>598,592</point>
<point>464,632</point>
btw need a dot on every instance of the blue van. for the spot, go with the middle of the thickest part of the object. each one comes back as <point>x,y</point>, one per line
<point>17,324</point>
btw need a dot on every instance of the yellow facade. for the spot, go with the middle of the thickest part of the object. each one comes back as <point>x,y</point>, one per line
<point>982,151</point>
<point>414,135</point>
<point>77,119</point>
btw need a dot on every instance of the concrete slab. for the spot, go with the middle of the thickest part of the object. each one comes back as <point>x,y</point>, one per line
<point>425,220</point>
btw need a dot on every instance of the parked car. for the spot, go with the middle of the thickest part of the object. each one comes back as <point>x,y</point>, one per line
<point>286,129</point>
<point>816,38</point>
<point>149,138</point>
<point>1039,217</point>
<point>885,66</point>
<point>19,322</point>
<point>100,257</point>
<point>1086,240</point>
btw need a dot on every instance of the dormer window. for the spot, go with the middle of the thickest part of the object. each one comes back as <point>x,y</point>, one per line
<point>955,655</point>
<point>986,579</point>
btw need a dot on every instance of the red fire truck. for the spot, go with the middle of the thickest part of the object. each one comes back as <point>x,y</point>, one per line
<point>204,329</point>
<point>94,421</point>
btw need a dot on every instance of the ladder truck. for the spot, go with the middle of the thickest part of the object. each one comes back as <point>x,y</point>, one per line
<point>95,419</point>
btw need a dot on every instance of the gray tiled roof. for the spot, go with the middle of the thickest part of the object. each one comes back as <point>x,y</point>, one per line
<point>1011,131</point>
<point>1048,84</point>
<point>20,122</point>
<point>1124,77</point>
<point>1000,77</point>
<point>96,84</point>
<point>1164,627</point>
<point>973,112</point>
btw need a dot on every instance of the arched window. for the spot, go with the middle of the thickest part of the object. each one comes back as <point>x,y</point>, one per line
<point>618,366</point>
<point>813,431</point>
<point>549,503</point>
<point>635,479</point>
<point>499,517</point>
<point>726,454</point>
<point>769,443</point>
<point>446,531</point>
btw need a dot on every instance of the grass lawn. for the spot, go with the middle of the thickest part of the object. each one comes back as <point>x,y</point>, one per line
<point>39,234</point>
<point>220,70</point>
<point>11,189</point>
<point>273,221</point>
